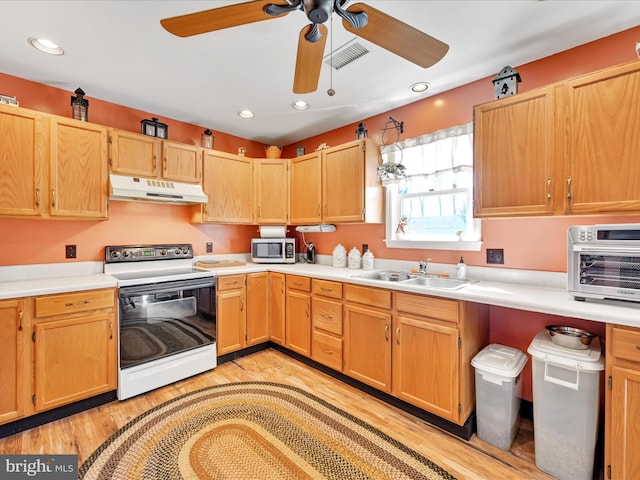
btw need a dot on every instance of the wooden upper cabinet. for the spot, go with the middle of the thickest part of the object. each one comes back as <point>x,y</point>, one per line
<point>306,189</point>
<point>514,155</point>
<point>228,182</point>
<point>23,154</point>
<point>182,163</point>
<point>134,154</point>
<point>272,191</point>
<point>351,191</point>
<point>78,169</point>
<point>603,123</point>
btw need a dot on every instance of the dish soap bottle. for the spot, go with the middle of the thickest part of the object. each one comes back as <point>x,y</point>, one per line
<point>461,270</point>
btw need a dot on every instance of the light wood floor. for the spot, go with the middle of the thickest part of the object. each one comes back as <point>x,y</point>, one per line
<point>84,432</point>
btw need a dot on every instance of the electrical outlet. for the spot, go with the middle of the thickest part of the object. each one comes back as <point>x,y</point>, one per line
<point>70,251</point>
<point>495,255</point>
<point>209,247</point>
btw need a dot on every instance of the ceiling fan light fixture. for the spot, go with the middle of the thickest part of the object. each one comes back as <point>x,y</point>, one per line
<point>300,105</point>
<point>246,114</point>
<point>419,87</point>
<point>44,45</point>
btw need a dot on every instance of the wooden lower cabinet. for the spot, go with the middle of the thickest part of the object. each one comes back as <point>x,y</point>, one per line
<point>14,374</point>
<point>298,314</point>
<point>242,317</point>
<point>622,403</point>
<point>367,335</point>
<point>74,347</point>
<point>277,308</point>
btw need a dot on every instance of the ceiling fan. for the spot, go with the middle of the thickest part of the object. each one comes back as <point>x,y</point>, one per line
<point>360,19</point>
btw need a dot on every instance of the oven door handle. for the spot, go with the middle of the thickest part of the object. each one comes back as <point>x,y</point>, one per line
<point>623,250</point>
<point>153,288</point>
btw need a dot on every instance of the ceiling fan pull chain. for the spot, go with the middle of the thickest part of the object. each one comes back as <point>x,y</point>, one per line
<point>331,92</point>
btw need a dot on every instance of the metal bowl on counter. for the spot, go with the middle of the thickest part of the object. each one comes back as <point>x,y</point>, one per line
<point>570,337</point>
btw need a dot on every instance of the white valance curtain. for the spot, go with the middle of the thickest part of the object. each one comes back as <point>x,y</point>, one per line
<point>441,154</point>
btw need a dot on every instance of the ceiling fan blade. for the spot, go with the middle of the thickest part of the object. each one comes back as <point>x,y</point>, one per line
<point>397,37</point>
<point>217,18</point>
<point>309,60</point>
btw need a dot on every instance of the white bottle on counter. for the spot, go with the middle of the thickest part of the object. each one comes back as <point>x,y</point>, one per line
<point>339,256</point>
<point>461,270</point>
<point>367,260</point>
<point>354,258</point>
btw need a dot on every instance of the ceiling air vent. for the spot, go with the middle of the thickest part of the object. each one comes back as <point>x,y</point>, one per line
<point>346,54</point>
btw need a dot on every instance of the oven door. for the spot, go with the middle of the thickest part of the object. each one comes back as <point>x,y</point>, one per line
<point>605,272</point>
<point>164,319</point>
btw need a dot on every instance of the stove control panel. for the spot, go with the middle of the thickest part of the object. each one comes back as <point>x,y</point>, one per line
<point>141,253</point>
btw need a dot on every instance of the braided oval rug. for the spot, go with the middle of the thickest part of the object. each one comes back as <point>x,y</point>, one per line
<point>253,430</point>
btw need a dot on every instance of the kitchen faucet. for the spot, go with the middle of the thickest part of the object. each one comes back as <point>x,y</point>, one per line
<point>422,267</point>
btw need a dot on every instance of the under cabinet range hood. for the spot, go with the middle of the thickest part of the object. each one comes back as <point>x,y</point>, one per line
<point>138,189</point>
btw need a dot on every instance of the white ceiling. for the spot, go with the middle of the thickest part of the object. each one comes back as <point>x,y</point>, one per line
<point>117,51</point>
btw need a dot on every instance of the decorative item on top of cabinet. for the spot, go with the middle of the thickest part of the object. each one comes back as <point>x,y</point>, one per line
<point>9,100</point>
<point>79,106</point>
<point>505,83</point>
<point>206,139</point>
<point>154,128</point>
<point>272,151</point>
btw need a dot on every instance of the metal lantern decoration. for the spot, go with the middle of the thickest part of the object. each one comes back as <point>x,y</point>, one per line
<point>80,106</point>
<point>505,83</point>
<point>206,139</point>
<point>361,131</point>
<point>154,128</point>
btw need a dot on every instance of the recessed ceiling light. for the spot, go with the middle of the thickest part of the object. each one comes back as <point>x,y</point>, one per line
<point>419,87</point>
<point>300,105</point>
<point>46,46</point>
<point>246,114</point>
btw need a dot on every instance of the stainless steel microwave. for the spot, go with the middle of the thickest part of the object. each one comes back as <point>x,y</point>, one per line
<point>603,261</point>
<point>273,250</point>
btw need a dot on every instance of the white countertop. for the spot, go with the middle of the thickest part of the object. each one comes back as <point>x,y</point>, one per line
<point>528,290</point>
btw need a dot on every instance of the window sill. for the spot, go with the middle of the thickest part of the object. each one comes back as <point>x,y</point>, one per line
<point>436,245</point>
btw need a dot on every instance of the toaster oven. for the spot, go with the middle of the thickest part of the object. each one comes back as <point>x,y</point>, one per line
<point>603,261</point>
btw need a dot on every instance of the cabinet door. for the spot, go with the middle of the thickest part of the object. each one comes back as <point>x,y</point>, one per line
<point>228,182</point>
<point>277,310</point>
<point>182,163</point>
<point>367,346</point>
<point>79,170</point>
<point>343,189</point>
<point>298,318</point>
<point>23,154</point>
<point>602,141</point>
<point>134,154</point>
<point>231,315</point>
<point>625,429</point>
<point>14,372</point>
<point>272,190</point>
<point>257,308</point>
<point>426,365</point>
<point>514,155</point>
<point>75,358</point>
<point>306,190</point>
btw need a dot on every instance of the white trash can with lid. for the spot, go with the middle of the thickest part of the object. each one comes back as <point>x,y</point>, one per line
<point>566,402</point>
<point>498,393</point>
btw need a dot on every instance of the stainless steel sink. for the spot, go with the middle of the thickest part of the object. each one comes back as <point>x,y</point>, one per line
<point>438,282</point>
<point>385,275</point>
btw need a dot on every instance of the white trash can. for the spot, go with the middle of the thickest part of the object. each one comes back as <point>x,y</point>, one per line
<point>498,393</point>
<point>566,401</point>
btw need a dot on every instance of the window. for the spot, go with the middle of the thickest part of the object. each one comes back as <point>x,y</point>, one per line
<point>430,197</point>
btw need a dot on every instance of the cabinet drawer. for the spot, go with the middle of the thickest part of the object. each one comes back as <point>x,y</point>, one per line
<point>432,307</point>
<point>299,283</point>
<point>326,288</point>
<point>373,297</point>
<point>229,282</point>
<point>625,344</point>
<point>326,315</point>
<point>326,350</point>
<point>62,304</point>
